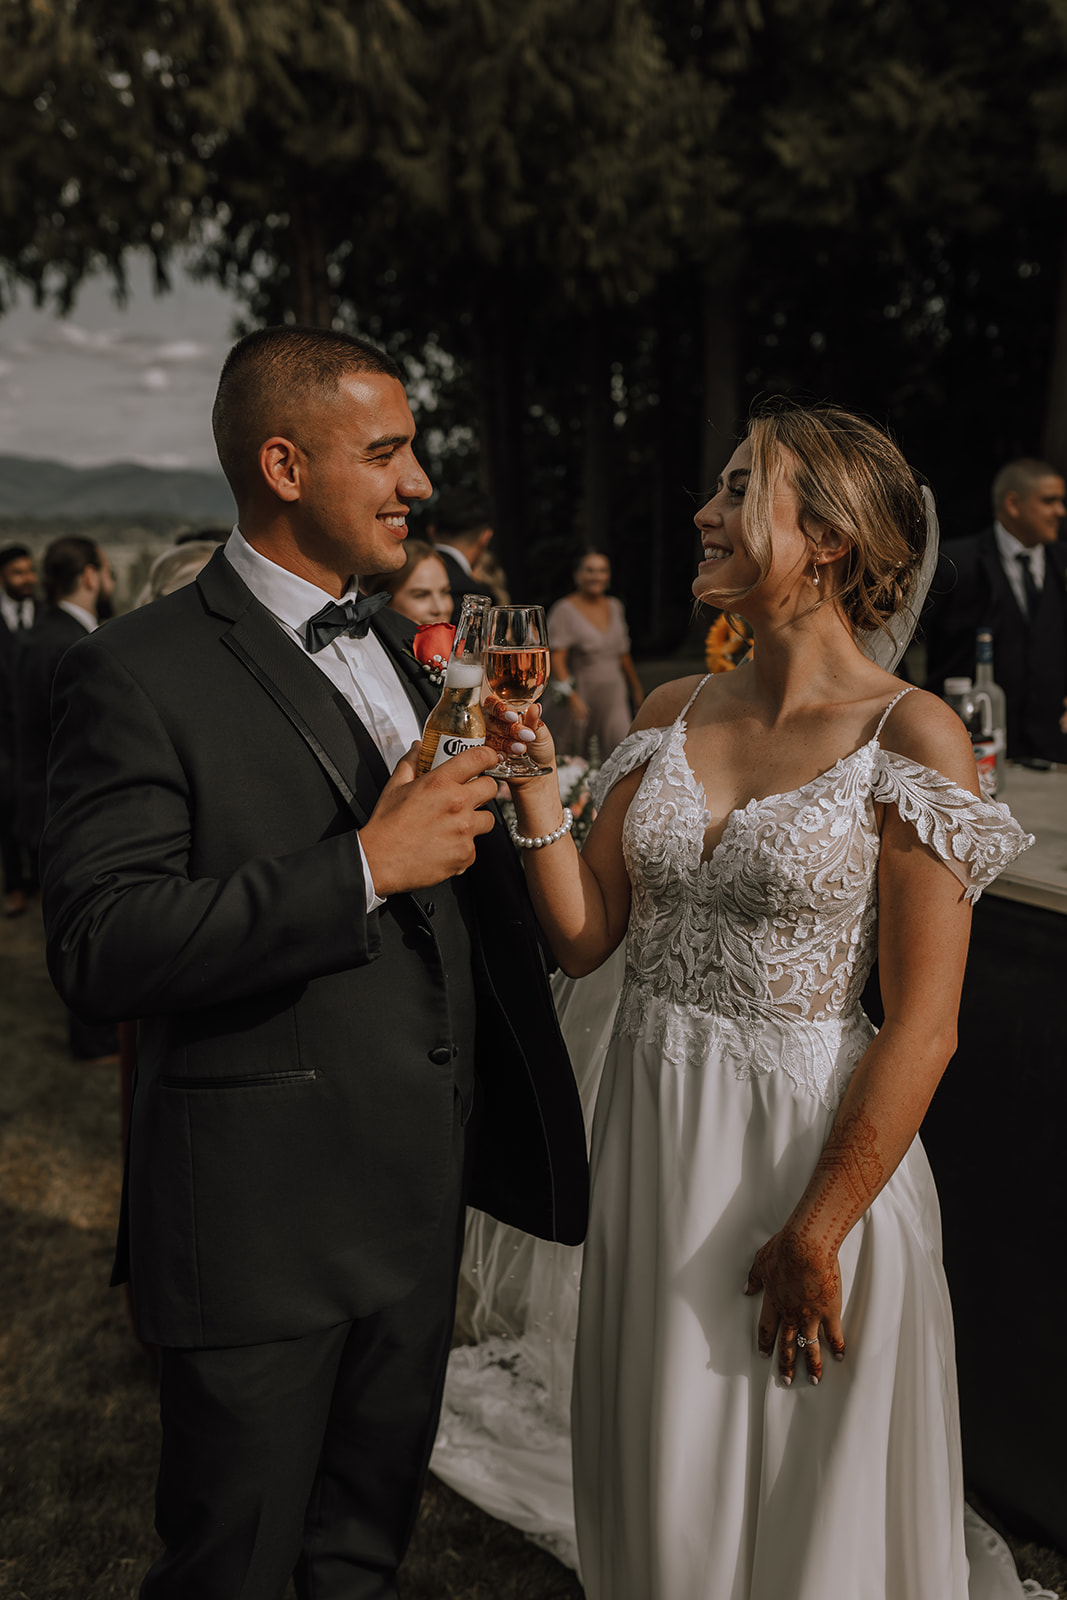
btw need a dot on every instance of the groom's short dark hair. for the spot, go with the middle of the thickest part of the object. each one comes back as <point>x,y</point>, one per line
<point>268,375</point>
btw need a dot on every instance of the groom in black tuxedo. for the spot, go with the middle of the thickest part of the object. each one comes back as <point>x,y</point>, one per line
<point>344,1029</point>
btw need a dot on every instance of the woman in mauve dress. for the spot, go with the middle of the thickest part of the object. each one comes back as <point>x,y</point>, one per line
<point>594,682</point>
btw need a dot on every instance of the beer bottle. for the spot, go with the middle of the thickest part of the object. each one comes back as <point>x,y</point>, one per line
<point>456,722</point>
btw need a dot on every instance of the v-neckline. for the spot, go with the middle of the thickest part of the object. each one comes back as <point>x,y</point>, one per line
<point>603,632</point>
<point>681,727</point>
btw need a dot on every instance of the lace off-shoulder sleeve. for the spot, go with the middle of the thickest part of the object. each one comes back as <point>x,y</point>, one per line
<point>976,838</point>
<point>634,751</point>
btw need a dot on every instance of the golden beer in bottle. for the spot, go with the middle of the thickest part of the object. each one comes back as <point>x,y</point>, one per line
<point>456,722</point>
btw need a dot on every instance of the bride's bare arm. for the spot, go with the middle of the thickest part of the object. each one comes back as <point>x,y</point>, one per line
<point>582,901</point>
<point>924,925</point>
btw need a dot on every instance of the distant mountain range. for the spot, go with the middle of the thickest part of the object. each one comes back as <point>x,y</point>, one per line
<point>36,488</point>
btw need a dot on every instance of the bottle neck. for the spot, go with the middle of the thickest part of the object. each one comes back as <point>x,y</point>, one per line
<point>983,665</point>
<point>462,697</point>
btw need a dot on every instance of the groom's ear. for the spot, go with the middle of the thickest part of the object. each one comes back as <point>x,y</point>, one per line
<point>280,463</point>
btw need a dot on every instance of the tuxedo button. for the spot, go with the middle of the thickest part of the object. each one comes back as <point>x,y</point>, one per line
<point>441,1056</point>
<point>429,908</point>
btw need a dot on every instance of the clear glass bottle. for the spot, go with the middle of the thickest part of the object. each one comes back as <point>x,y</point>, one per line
<point>975,711</point>
<point>456,722</point>
<point>984,684</point>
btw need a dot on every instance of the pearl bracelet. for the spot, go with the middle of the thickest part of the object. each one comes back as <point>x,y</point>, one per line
<point>546,838</point>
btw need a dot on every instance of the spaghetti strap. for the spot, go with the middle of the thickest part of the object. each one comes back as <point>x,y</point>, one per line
<point>885,714</point>
<point>688,704</point>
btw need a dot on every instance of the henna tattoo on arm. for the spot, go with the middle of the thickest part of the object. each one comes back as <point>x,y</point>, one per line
<point>849,1174</point>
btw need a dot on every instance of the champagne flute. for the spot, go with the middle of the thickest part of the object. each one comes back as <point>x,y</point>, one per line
<point>516,670</point>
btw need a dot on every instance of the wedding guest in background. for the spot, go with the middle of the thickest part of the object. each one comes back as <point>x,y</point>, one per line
<point>487,569</point>
<point>594,681</point>
<point>18,612</point>
<point>1010,579</point>
<point>419,591</point>
<point>461,524</point>
<point>175,567</point>
<point>78,584</point>
<point>77,579</point>
<point>211,536</point>
<point>18,588</point>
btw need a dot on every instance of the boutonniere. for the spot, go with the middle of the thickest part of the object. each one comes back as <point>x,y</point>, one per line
<point>431,647</point>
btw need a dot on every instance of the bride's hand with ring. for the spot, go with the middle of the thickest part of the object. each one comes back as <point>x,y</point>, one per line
<point>801,1302</point>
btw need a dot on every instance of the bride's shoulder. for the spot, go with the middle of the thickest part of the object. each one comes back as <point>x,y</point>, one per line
<point>923,729</point>
<point>664,705</point>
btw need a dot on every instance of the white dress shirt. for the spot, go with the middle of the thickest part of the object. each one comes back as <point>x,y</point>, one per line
<point>359,668</point>
<point>79,613</point>
<point>1009,549</point>
<point>16,613</point>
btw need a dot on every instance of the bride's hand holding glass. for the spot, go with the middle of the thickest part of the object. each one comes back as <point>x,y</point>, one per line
<point>516,733</point>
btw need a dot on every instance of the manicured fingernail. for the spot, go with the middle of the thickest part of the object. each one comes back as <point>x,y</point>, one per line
<point>511,716</point>
<point>526,734</point>
<point>517,749</point>
<point>786,1380</point>
<point>814,1382</point>
<point>765,1355</point>
<point>839,1355</point>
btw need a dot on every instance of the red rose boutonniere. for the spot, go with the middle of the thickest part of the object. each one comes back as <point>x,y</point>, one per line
<point>432,646</point>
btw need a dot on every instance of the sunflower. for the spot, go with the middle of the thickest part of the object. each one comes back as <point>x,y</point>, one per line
<point>728,643</point>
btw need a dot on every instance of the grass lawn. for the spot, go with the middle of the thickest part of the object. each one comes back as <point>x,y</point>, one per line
<point>79,1433</point>
<point>78,1426</point>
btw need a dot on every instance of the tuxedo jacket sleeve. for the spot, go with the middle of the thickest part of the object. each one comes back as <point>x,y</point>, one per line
<point>136,927</point>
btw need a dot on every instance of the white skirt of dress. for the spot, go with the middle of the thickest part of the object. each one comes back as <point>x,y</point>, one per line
<point>697,1475</point>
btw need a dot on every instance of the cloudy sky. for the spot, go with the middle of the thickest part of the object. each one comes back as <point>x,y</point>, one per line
<point>109,384</point>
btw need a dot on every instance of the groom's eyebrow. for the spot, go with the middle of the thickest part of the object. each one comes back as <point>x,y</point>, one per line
<point>388,439</point>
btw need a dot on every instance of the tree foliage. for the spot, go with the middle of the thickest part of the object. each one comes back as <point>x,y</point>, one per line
<point>588,229</point>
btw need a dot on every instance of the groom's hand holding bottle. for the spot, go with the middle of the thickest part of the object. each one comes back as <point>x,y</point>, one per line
<point>422,830</point>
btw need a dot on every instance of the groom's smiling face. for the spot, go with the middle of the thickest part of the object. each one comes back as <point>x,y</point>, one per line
<point>360,475</point>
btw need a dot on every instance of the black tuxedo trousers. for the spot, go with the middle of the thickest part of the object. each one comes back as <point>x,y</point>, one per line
<point>303,1064</point>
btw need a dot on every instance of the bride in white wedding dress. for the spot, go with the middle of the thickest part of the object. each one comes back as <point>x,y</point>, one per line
<point>764,1396</point>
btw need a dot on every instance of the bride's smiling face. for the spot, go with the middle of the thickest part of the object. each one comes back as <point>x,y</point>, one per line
<point>728,569</point>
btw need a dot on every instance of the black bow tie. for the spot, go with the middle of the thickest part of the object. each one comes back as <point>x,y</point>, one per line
<point>352,618</point>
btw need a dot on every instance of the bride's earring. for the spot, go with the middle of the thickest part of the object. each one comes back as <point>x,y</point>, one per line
<point>815,573</point>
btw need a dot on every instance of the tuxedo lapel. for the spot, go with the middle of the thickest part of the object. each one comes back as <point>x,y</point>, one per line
<point>396,633</point>
<point>333,733</point>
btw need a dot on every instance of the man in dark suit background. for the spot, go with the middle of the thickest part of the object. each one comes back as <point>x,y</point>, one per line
<point>1011,579</point>
<point>338,980</point>
<point>461,525</point>
<point>18,613</point>
<point>78,588</point>
<point>77,579</point>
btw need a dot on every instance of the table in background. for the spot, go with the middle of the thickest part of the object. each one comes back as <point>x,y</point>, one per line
<point>997,1140</point>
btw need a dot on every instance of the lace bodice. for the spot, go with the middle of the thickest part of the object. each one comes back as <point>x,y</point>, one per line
<point>779,924</point>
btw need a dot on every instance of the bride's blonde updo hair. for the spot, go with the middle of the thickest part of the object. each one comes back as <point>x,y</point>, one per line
<point>849,476</point>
